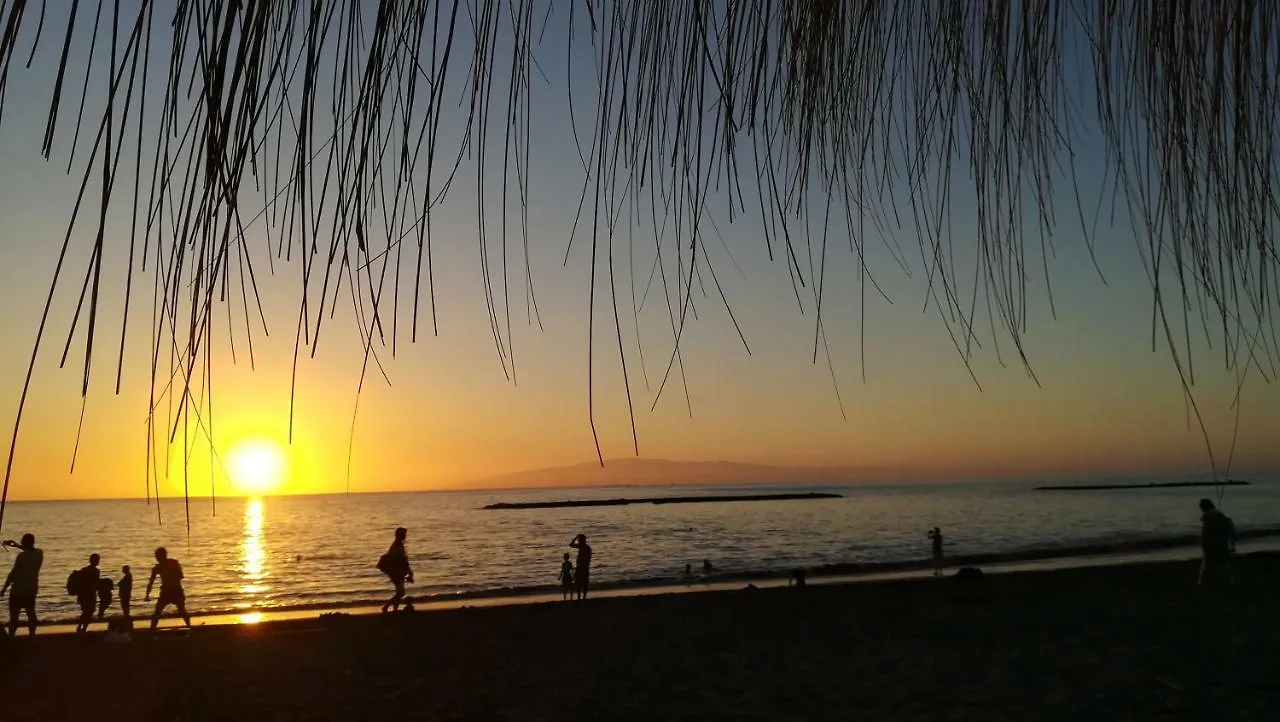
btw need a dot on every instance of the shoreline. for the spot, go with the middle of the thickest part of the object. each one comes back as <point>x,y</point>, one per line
<point>1091,556</point>
<point>1137,642</point>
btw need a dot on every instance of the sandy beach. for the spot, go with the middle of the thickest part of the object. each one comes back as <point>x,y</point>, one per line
<point>1133,642</point>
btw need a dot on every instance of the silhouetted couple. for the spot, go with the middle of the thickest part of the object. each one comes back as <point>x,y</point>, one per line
<point>23,582</point>
<point>93,591</point>
<point>395,564</point>
<point>582,573</point>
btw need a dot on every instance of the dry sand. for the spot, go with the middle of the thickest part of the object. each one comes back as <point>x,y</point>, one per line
<point>1119,643</point>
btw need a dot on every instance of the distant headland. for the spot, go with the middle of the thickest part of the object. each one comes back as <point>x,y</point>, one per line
<point>665,472</point>
<point>704,499</point>
<point>1150,485</point>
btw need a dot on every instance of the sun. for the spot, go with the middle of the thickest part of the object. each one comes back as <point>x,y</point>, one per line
<point>256,466</point>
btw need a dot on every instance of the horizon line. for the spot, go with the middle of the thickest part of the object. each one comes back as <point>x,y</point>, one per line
<point>620,485</point>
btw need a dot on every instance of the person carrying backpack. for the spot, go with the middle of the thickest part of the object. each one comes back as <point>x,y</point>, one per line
<point>83,585</point>
<point>395,564</point>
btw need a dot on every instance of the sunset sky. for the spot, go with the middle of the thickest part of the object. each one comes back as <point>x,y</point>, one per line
<point>1107,403</point>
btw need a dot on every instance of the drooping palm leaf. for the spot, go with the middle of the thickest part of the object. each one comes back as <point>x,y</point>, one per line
<point>325,118</point>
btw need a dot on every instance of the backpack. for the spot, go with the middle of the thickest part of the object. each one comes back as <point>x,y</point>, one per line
<point>73,583</point>
<point>384,564</point>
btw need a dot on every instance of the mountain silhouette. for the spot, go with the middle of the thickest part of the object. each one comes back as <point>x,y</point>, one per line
<point>657,472</point>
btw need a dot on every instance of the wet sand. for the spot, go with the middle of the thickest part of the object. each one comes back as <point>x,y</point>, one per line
<point>1135,643</point>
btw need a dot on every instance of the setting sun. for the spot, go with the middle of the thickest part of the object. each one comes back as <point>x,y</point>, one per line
<point>256,466</point>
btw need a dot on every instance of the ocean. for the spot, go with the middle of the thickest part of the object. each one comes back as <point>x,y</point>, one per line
<point>292,552</point>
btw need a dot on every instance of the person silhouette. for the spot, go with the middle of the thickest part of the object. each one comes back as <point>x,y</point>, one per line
<point>797,578</point>
<point>688,571</point>
<point>395,564</point>
<point>582,574</point>
<point>1217,542</point>
<point>935,537</point>
<point>707,568</point>
<point>171,591</point>
<point>105,588</point>
<point>23,582</point>
<point>124,588</point>
<point>566,578</point>
<point>86,591</point>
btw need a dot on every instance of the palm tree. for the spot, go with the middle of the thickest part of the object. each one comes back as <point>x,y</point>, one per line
<point>345,124</point>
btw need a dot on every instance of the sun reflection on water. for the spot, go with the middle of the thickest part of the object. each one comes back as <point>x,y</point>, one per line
<point>253,554</point>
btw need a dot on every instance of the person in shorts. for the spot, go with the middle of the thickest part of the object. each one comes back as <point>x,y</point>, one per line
<point>171,592</point>
<point>23,582</point>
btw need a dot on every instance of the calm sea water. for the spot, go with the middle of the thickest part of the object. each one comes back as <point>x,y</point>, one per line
<point>283,552</point>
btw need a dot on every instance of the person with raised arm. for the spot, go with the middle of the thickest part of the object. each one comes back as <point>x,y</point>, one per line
<point>582,574</point>
<point>23,582</point>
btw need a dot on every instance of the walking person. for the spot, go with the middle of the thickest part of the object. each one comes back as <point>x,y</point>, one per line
<point>105,588</point>
<point>395,564</point>
<point>171,592</point>
<point>935,536</point>
<point>83,584</point>
<point>1217,543</point>
<point>23,582</point>
<point>582,574</point>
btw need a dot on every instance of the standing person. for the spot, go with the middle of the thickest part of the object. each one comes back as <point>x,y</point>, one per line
<point>24,582</point>
<point>566,579</point>
<point>935,536</point>
<point>171,591</point>
<point>395,564</point>
<point>1217,542</point>
<point>84,585</point>
<point>582,574</point>
<point>125,588</point>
